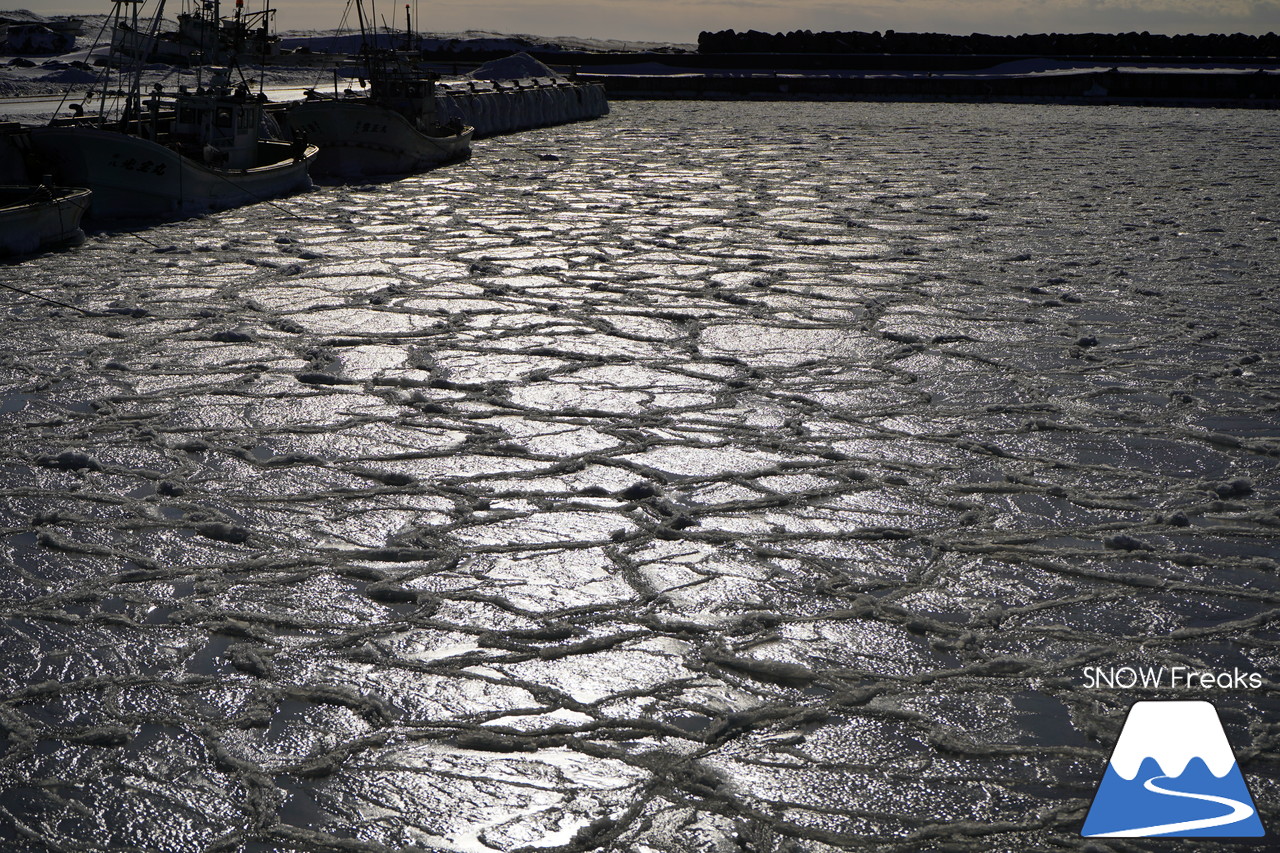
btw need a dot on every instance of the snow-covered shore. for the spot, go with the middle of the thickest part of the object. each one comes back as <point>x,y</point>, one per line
<point>54,74</point>
<point>308,58</point>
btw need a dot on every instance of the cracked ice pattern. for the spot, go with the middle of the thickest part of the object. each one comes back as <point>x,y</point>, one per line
<point>710,477</point>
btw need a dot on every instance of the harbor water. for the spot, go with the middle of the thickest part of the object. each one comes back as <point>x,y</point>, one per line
<point>708,477</point>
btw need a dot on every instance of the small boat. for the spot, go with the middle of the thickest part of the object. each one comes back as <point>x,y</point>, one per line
<point>189,153</point>
<point>393,129</point>
<point>37,38</point>
<point>40,217</point>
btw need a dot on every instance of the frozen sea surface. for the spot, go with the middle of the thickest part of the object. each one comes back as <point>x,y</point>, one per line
<point>709,477</point>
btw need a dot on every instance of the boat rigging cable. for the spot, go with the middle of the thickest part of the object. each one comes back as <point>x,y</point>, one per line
<point>333,49</point>
<point>97,40</point>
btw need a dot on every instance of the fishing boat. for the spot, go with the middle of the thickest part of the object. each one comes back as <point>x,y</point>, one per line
<point>187,154</point>
<point>34,215</point>
<point>183,153</point>
<point>203,35</point>
<point>40,217</point>
<point>392,129</point>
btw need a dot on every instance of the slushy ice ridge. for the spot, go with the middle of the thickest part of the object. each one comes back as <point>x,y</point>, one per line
<point>709,477</point>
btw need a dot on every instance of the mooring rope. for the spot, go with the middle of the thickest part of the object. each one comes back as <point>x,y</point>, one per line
<point>52,301</point>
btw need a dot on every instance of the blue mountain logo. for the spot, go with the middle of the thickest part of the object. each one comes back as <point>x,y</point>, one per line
<point>1172,775</point>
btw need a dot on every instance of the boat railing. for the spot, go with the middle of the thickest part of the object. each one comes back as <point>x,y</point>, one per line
<point>85,120</point>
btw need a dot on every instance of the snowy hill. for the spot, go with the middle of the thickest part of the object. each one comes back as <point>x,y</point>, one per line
<point>473,40</point>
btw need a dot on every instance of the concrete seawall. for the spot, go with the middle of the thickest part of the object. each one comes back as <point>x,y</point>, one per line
<point>1257,88</point>
<point>504,106</point>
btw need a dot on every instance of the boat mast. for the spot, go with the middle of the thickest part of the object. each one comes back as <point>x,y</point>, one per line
<point>262,75</point>
<point>133,102</point>
<point>364,44</point>
<point>237,37</point>
<point>117,12</point>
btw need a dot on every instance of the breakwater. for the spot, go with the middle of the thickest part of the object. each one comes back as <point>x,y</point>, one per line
<point>1192,87</point>
<point>1100,78</point>
<point>504,106</point>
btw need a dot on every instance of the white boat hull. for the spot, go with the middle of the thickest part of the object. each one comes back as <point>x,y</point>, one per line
<point>358,138</point>
<point>35,218</point>
<point>135,177</point>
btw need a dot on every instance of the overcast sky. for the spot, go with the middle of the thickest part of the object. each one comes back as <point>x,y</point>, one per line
<point>681,20</point>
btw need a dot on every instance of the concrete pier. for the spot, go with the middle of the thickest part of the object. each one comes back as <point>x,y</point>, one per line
<point>1184,86</point>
